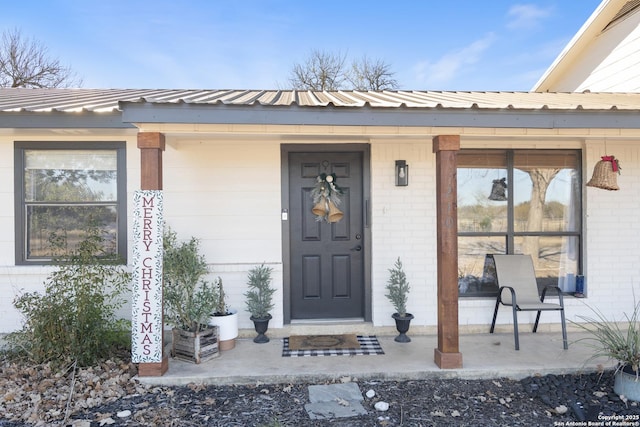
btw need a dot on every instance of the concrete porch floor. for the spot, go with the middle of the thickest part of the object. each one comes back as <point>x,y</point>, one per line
<point>484,356</point>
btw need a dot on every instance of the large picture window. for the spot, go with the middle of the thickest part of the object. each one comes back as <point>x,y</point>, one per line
<point>62,189</point>
<point>518,202</point>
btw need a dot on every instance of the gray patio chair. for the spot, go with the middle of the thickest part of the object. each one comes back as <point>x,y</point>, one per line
<point>518,288</point>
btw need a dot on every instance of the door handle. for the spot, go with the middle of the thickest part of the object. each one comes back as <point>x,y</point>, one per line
<point>357,248</point>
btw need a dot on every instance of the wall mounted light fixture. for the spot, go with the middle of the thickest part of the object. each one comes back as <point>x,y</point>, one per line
<point>402,173</point>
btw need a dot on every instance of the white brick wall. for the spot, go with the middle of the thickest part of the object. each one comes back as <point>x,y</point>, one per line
<point>612,261</point>
<point>235,211</point>
<point>403,225</point>
<point>231,203</point>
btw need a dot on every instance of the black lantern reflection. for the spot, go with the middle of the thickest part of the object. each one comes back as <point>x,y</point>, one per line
<point>499,190</point>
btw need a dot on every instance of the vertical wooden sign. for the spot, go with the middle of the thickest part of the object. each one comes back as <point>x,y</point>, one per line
<point>146,311</point>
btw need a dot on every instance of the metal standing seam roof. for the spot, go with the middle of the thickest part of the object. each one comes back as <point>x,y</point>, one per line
<point>111,100</point>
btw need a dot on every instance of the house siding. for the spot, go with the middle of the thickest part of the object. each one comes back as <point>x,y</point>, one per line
<point>610,64</point>
<point>16,279</point>
<point>226,191</point>
<point>227,194</point>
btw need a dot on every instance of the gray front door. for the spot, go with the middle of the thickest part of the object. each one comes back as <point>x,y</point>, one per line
<point>326,259</point>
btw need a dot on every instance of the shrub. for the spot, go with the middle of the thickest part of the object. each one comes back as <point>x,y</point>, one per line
<point>611,340</point>
<point>75,317</point>
<point>189,300</point>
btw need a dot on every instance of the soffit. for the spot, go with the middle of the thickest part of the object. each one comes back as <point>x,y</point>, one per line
<point>625,10</point>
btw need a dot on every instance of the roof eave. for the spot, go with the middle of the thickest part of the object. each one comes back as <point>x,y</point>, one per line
<point>542,118</point>
<point>63,120</point>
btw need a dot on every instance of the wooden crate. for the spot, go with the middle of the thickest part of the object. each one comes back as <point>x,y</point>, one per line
<point>195,347</point>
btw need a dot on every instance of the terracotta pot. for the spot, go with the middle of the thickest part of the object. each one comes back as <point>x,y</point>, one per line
<point>228,325</point>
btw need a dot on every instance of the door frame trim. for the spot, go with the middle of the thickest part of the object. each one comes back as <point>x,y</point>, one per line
<point>365,149</point>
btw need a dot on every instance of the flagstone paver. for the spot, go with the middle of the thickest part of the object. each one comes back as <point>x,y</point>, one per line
<point>334,401</point>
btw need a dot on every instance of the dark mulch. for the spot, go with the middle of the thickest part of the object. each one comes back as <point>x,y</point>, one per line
<point>537,401</point>
<point>107,395</point>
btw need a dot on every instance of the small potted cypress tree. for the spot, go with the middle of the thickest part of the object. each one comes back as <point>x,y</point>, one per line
<point>398,294</point>
<point>260,300</point>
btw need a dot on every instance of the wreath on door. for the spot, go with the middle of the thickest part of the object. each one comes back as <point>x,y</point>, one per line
<point>326,198</point>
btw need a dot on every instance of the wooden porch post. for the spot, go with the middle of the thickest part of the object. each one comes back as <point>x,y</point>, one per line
<point>446,147</point>
<point>151,145</point>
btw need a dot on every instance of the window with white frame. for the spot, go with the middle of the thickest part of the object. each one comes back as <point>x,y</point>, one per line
<point>63,188</point>
<point>518,202</point>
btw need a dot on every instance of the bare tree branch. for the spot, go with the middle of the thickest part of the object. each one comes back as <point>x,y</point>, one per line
<point>369,74</point>
<point>26,63</point>
<point>322,71</point>
<point>326,71</point>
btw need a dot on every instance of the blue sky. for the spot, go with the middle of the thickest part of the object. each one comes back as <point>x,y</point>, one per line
<point>250,44</point>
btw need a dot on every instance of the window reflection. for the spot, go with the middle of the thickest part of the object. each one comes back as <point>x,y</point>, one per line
<point>540,216</point>
<point>69,223</point>
<point>64,191</point>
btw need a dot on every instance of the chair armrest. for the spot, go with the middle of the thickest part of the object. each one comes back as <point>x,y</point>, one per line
<point>513,295</point>
<point>558,291</point>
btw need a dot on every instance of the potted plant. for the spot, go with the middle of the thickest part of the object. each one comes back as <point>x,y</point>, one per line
<point>224,318</point>
<point>260,300</point>
<point>619,342</point>
<point>188,300</point>
<point>397,293</point>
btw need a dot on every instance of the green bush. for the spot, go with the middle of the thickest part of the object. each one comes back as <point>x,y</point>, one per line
<point>75,317</point>
<point>189,299</point>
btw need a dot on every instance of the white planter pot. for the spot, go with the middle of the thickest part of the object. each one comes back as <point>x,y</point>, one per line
<point>228,329</point>
<point>628,385</point>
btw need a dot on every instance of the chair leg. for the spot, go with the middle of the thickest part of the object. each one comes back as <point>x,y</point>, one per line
<point>495,315</point>
<point>515,326</point>
<point>564,330</point>
<point>565,344</point>
<point>535,325</point>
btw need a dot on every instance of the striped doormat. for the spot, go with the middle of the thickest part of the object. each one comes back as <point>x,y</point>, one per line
<point>369,345</point>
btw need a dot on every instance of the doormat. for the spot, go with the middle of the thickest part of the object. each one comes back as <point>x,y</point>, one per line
<point>369,345</point>
<point>323,342</point>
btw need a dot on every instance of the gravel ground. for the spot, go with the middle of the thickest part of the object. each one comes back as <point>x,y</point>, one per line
<point>109,395</point>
